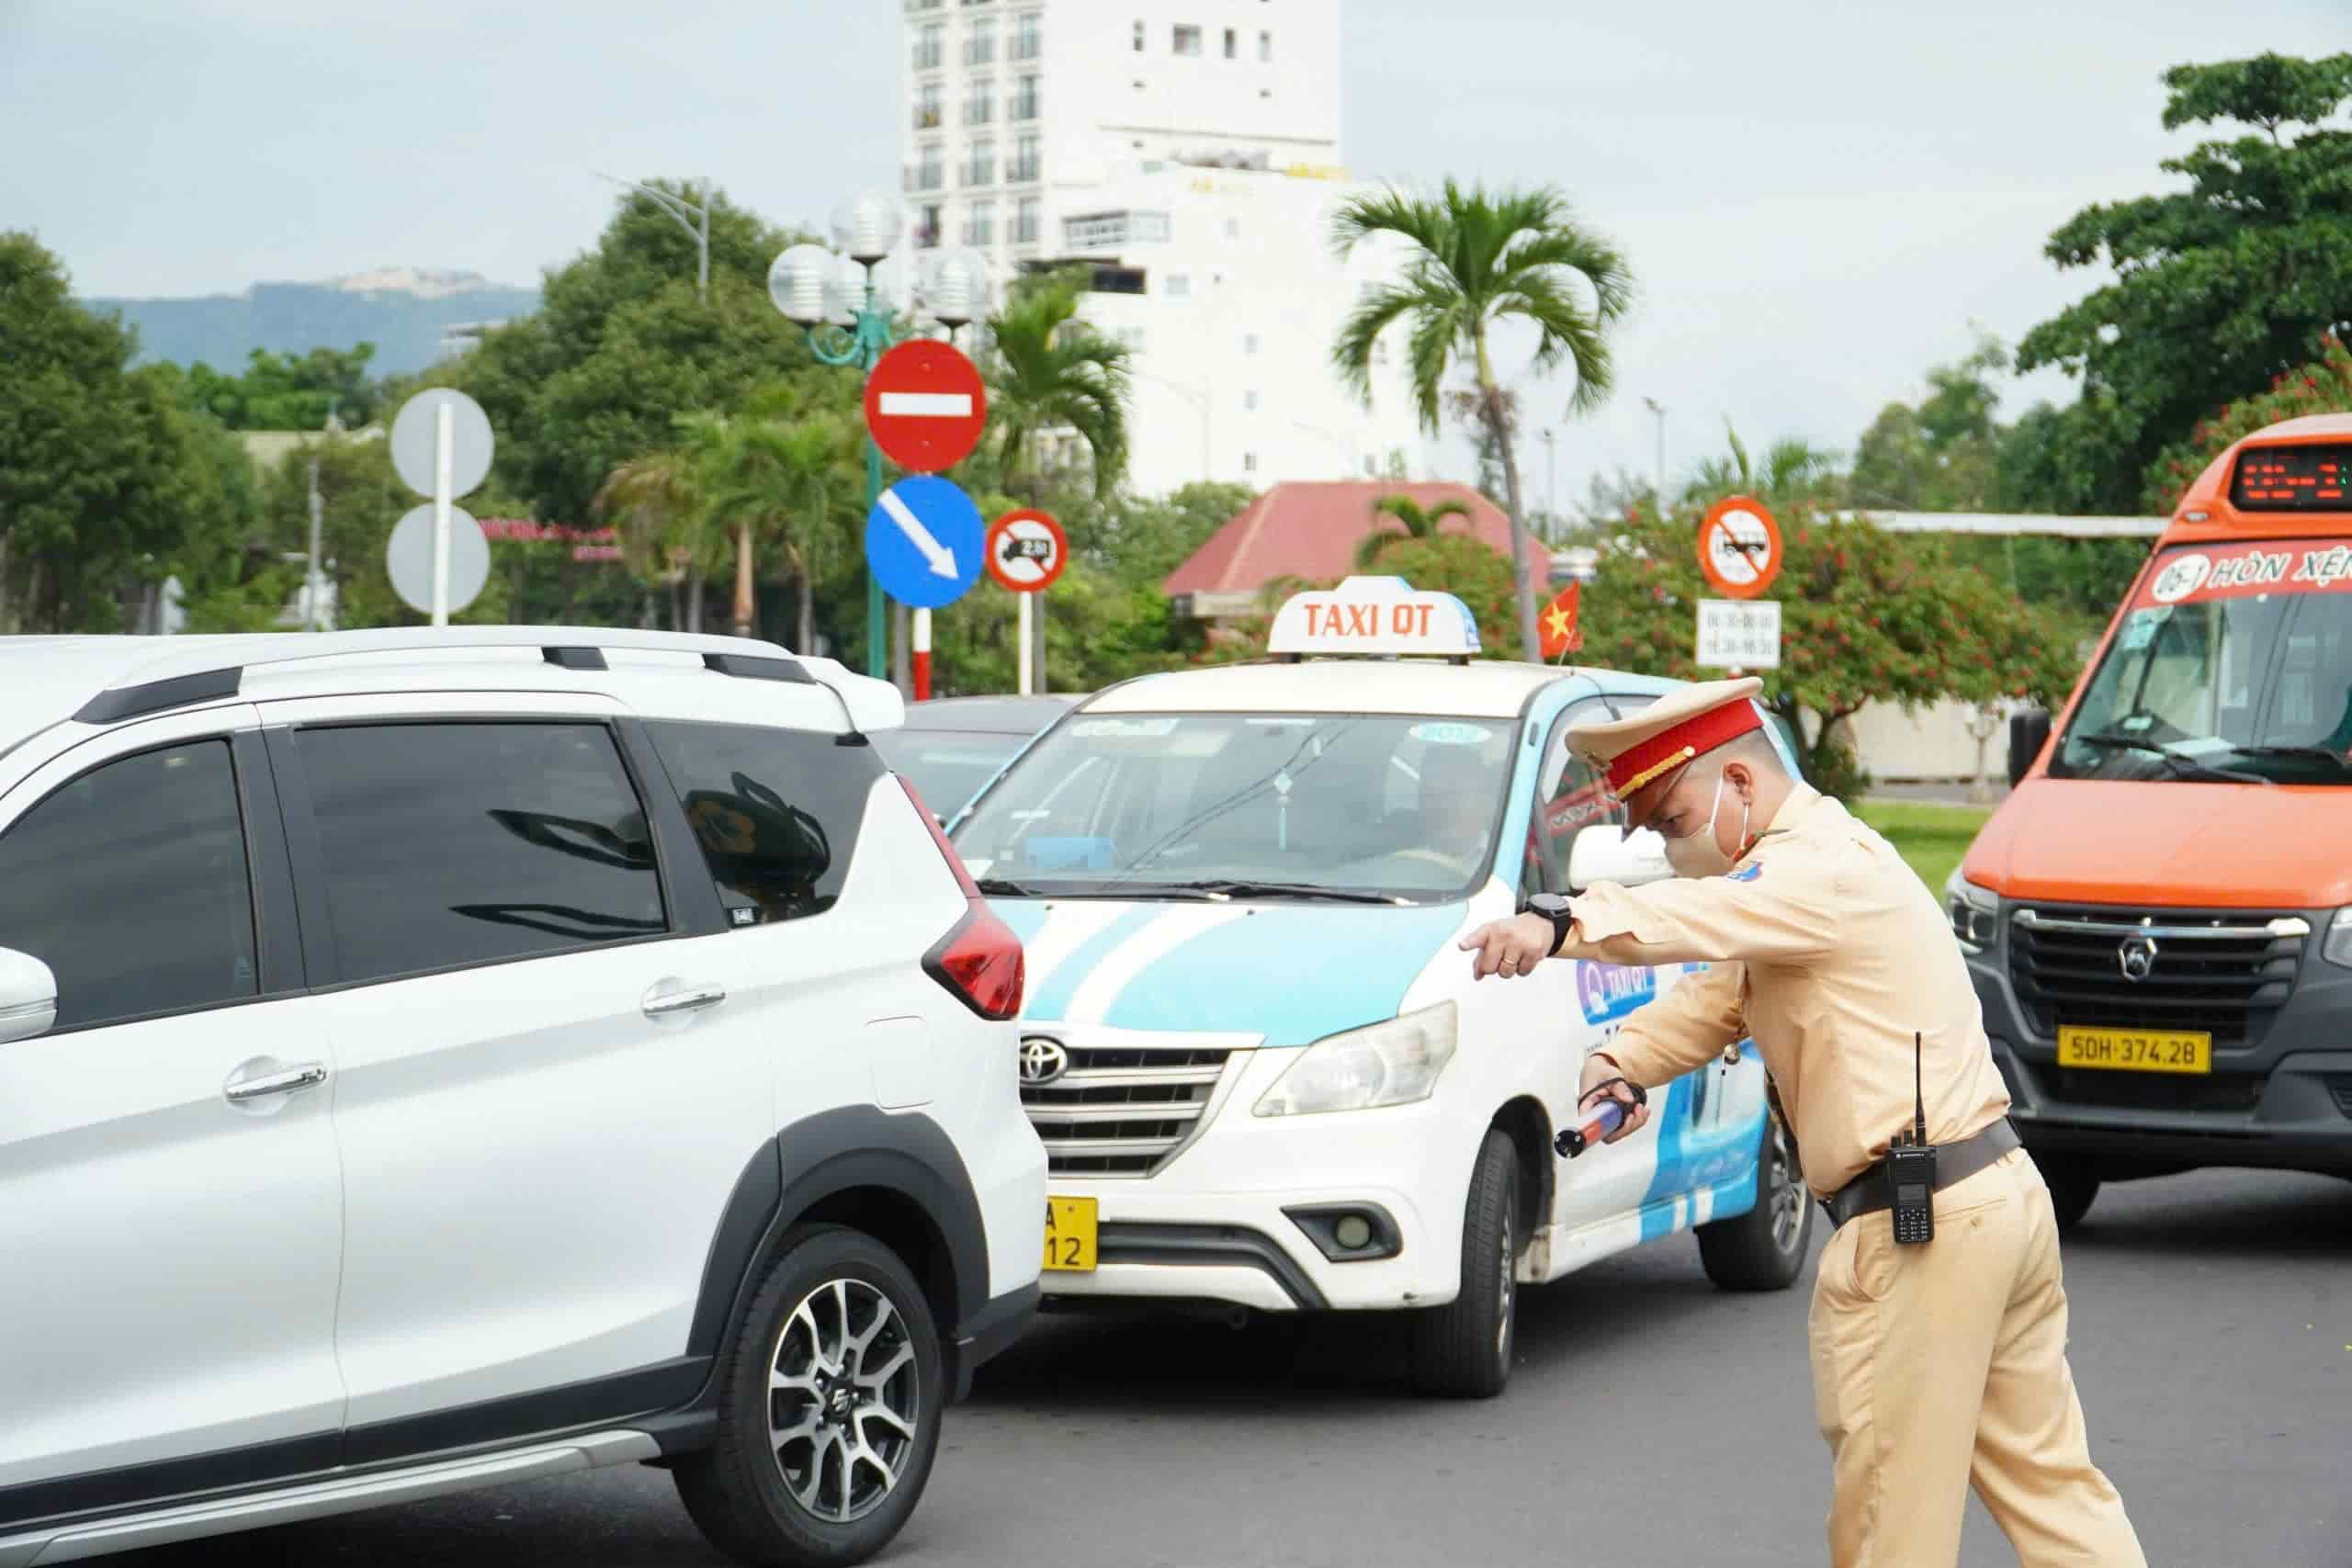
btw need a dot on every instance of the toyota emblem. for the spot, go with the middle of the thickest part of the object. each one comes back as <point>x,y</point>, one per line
<point>1042,1061</point>
<point>2137,955</point>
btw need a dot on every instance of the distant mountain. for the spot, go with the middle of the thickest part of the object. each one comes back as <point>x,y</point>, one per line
<point>405,312</point>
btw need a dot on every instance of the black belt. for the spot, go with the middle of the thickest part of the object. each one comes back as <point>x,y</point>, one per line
<point>1955,1163</point>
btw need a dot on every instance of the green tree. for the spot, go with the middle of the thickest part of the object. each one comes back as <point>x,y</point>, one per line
<point>1793,470</point>
<point>1866,616</point>
<point>777,484</point>
<point>1048,371</point>
<point>1139,540</point>
<point>1944,454</point>
<point>1478,259</point>
<point>288,392</point>
<point>661,502</point>
<point>1418,523</point>
<point>2219,287</point>
<point>2324,386</point>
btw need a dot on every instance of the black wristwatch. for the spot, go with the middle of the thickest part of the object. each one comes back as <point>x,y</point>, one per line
<point>1554,907</point>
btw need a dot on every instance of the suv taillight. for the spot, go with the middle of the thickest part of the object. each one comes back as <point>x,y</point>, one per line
<point>979,959</point>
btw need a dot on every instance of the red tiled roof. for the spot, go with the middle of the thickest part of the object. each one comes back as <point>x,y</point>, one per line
<point>1310,528</point>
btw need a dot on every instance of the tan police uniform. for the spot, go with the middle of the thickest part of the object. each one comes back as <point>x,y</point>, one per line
<point>1934,1365</point>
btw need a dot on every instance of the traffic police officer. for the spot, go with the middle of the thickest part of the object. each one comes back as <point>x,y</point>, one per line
<point>1934,1365</point>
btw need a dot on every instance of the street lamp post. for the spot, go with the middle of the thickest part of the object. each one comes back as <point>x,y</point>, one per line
<point>1659,410</point>
<point>693,216</point>
<point>850,323</point>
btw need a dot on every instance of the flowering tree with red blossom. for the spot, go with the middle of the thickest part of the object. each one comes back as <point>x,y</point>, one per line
<point>2322,386</point>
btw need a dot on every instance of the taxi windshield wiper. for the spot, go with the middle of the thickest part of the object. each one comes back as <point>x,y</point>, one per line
<point>1235,887</point>
<point>1005,887</point>
<point>2185,766</point>
<point>2321,753</point>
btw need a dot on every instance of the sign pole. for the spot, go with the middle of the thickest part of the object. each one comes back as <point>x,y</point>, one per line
<point>1028,635</point>
<point>441,484</point>
<point>922,656</point>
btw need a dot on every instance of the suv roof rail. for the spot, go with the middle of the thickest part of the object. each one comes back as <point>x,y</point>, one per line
<point>196,672</point>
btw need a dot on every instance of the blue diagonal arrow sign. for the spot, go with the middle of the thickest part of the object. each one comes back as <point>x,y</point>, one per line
<point>922,542</point>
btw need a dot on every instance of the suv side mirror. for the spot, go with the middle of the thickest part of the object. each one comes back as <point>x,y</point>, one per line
<point>27,995</point>
<point>1605,852</point>
<point>2029,732</point>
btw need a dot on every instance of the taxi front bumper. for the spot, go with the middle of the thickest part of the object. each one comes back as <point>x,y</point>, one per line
<point>1245,1215</point>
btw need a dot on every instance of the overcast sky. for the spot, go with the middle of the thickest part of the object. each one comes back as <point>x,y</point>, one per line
<point>1817,199</point>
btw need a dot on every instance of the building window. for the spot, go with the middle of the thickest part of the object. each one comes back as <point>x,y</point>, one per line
<point>1249,462</point>
<point>980,103</point>
<point>1249,343</point>
<point>1024,99</point>
<point>928,172</point>
<point>1188,40</point>
<point>980,229</point>
<point>930,47</point>
<point>1028,221</point>
<point>1250,403</point>
<point>1266,48</point>
<point>1232,44</point>
<point>1139,33</point>
<point>1178,286</point>
<point>979,48</point>
<point>1025,161</point>
<point>1029,36</point>
<point>927,227</point>
<point>979,167</point>
<point>928,116</point>
<point>1233,228</point>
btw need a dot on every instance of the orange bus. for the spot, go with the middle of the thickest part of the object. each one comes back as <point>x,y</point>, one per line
<point>2159,917</point>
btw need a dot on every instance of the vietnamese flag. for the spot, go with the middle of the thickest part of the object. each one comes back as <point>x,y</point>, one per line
<point>1557,628</point>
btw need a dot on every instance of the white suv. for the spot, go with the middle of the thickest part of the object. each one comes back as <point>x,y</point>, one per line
<point>438,1059</point>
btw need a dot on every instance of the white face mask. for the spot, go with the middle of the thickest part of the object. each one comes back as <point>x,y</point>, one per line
<point>1697,853</point>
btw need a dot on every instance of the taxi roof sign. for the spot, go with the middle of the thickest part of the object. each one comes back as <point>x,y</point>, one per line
<point>1375,617</point>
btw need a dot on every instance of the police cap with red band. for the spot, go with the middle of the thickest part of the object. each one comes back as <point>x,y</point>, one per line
<point>1684,725</point>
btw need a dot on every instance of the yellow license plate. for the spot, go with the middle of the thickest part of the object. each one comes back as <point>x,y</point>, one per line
<point>2136,1050</point>
<point>1069,1235</point>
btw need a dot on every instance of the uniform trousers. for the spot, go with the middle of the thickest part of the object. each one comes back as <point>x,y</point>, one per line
<point>1942,1365</point>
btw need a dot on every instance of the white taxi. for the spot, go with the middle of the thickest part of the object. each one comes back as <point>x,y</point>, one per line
<point>1260,1068</point>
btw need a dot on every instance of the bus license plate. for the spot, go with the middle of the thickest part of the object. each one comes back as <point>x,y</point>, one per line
<point>1069,1235</point>
<point>2136,1050</point>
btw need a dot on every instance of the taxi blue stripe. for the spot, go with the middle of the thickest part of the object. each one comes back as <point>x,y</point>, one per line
<point>1052,999</point>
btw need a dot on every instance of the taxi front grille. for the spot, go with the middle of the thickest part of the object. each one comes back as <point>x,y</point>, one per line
<point>2223,973</point>
<point>1126,1108</point>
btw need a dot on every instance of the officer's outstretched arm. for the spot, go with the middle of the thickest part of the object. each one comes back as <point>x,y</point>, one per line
<point>1680,1030</point>
<point>1779,908</point>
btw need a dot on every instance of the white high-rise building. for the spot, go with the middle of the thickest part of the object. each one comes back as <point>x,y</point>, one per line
<point>1189,152</point>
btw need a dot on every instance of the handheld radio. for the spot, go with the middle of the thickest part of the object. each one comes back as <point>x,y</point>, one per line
<point>1911,1168</point>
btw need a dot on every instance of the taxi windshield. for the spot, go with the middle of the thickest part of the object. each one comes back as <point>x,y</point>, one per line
<point>2233,664</point>
<point>1370,808</point>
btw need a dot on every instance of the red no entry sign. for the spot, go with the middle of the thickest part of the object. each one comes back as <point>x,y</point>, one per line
<point>925,406</point>
<point>1026,550</point>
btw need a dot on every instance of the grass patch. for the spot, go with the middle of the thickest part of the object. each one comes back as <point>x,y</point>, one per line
<point>1932,839</point>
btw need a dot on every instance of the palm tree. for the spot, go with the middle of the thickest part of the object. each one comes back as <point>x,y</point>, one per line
<point>773,480</point>
<point>1477,259</point>
<point>1793,470</point>
<point>1419,524</point>
<point>1048,371</point>
<point>659,501</point>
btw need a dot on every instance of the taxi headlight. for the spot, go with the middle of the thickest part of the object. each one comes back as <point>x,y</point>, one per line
<point>2338,948</point>
<point>1975,913</point>
<point>1394,1062</point>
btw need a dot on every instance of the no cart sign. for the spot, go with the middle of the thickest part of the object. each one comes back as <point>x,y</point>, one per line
<point>1026,551</point>
<point>1739,547</point>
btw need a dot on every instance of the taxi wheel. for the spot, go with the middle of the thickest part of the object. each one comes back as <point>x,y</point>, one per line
<point>1764,1249</point>
<point>1463,1350</point>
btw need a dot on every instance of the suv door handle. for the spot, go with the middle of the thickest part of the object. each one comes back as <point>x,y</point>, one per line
<point>660,1003</point>
<point>288,1080</point>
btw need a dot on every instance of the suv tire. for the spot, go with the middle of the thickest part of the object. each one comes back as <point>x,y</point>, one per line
<point>1764,1249</point>
<point>1462,1350</point>
<point>825,1468</point>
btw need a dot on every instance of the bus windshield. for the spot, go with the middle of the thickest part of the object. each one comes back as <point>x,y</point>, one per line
<point>2234,663</point>
<point>1357,807</point>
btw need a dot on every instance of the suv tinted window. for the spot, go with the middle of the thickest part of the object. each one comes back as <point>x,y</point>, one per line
<point>446,844</point>
<point>131,883</point>
<point>776,812</point>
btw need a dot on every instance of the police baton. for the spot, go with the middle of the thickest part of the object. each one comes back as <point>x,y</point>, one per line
<point>1599,1120</point>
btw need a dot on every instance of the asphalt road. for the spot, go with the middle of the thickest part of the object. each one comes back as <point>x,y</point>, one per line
<point>1653,1423</point>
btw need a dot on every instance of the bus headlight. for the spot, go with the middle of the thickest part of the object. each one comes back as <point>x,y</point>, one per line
<point>2338,948</point>
<point>1975,913</point>
<point>1394,1062</point>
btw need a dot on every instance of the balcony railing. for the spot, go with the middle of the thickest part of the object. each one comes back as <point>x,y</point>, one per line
<point>925,177</point>
<point>978,172</point>
<point>1025,105</point>
<point>981,49</point>
<point>1028,45</point>
<point>1021,170</point>
<point>979,111</point>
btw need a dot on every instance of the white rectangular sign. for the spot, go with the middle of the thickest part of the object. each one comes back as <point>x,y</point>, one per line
<point>1739,634</point>
<point>927,405</point>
